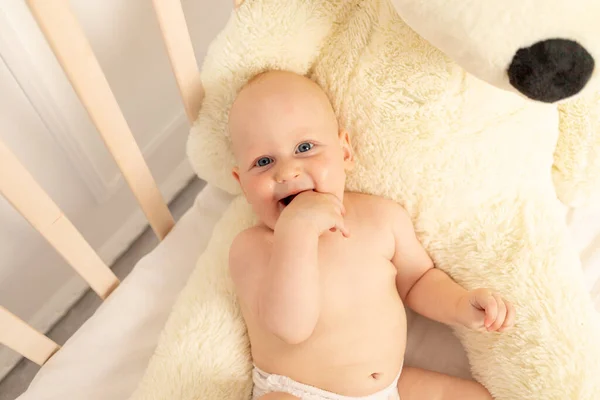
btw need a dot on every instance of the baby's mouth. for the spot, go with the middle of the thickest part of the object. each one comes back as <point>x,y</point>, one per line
<point>287,200</point>
<point>284,202</point>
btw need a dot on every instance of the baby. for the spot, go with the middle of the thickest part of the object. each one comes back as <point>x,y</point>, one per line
<point>322,280</point>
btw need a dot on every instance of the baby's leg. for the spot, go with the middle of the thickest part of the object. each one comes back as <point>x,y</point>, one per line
<point>278,396</point>
<point>420,384</point>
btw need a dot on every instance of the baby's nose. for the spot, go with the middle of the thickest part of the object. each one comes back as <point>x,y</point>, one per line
<point>287,173</point>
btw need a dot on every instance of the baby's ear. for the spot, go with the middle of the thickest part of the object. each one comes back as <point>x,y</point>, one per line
<point>346,149</point>
<point>236,175</point>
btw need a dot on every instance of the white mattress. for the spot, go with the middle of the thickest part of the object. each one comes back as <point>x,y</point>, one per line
<point>107,357</point>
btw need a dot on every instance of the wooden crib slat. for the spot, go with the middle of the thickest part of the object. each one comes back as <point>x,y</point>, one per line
<point>67,39</point>
<point>24,193</point>
<point>181,54</point>
<point>22,338</point>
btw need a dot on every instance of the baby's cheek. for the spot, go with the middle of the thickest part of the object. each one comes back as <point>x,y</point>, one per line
<point>323,172</point>
<point>254,188</point>
<point>330,171</point>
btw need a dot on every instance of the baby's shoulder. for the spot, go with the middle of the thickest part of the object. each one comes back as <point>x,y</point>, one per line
<point>253,235</point>
<point>377,212</point>
<point>374,205</point>
<point>251,241</point>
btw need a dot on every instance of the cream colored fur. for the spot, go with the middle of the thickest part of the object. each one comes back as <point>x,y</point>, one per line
<point>473,164</point>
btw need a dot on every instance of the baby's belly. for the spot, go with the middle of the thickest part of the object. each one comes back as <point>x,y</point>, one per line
<point>353,352</point>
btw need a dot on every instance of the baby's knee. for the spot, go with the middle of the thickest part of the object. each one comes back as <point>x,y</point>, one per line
<point>278,396</point>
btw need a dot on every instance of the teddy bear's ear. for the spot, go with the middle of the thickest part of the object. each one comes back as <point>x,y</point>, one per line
<point>576,170</point>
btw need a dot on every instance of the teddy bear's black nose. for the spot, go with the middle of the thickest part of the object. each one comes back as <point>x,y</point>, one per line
<point>551,70</point>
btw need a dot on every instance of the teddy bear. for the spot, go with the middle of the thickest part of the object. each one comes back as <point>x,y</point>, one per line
<point>482,119</point>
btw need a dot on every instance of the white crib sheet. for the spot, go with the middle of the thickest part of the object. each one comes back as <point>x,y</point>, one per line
<point>108,356</point>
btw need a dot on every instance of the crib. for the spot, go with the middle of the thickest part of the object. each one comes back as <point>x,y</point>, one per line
<point>67,40</point>
<point>108,355</point>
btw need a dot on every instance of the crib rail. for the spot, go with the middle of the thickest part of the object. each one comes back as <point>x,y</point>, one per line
<point>25,340</point>
<point>181,54</point>
<point>27,197</point>
<point>74,53</point>
<point>72,50</point>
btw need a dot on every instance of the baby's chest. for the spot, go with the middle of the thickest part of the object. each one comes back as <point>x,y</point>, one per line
<point>353,272</point>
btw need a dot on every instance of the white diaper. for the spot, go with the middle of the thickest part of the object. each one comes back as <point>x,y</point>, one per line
<point>267,383</point>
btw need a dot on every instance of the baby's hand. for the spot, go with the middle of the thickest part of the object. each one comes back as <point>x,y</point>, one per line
<point>324,211</point>
<point>481,309</point>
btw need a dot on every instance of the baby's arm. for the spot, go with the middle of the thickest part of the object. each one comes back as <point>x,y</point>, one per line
<point>422,287</point>
<point>279,281</point>
<point>433,294</point>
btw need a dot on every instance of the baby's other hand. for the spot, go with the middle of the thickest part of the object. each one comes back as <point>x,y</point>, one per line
<point>482,309</point>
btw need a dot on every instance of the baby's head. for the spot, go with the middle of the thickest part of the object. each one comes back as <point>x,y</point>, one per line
<point>286,140</point>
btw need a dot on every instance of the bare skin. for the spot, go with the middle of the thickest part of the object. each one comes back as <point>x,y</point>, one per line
<point>322,280</point>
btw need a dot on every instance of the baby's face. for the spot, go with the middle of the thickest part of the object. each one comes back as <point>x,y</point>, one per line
<point>286,140</point>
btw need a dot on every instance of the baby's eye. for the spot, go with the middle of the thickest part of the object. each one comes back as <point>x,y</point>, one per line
<point>304,147</point>
<point>263,162</point>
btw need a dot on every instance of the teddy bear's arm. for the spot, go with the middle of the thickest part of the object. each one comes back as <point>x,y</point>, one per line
<point>576,170</point>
